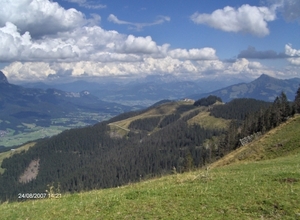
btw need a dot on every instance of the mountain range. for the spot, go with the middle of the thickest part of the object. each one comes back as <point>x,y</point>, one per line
<point>149,90</point>
<point>141,92</point>
<point>264,88</point>
<point>17,100</point>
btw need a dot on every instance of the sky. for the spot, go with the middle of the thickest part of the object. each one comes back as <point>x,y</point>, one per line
<point>61,40</point>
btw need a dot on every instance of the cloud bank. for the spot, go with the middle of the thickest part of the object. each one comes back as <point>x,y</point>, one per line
<point>43,71</point>
<point>294,55</point>
<point>252,53</point>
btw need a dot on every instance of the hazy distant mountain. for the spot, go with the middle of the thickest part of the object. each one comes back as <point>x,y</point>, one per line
<point>20,105</point>
<point>265,88</point>
<point>76,86</point>
<point>142,92</point>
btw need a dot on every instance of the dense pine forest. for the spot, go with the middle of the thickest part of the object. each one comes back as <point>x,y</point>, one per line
<point>258,121</point>
<point>92,158</point>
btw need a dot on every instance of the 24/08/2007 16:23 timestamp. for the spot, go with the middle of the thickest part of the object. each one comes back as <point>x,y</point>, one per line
<point>39,195</point>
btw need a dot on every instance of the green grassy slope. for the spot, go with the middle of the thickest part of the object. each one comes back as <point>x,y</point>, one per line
<point>281,141</point>
<point>209,122</point>
<point>121,127</point>
<point>252,189</point>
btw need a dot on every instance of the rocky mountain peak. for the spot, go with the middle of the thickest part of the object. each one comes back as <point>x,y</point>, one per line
<point>3,78</point>
<point>265,77</point>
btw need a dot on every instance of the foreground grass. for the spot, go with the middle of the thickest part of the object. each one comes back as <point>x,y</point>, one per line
<point>259,190</point>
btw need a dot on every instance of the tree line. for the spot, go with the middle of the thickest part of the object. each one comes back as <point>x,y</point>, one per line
<point>259,121</point>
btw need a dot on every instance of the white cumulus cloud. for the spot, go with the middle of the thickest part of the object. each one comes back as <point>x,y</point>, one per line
<point>138,45</point>
<point>294,54</point>
<point>40,17</point>
<point>291,51</point>
<point>248,19</point>
<point>14,46</point>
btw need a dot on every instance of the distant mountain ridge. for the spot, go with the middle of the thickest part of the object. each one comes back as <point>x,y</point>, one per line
<point>264,88</point>
<point>142,92</point>
<point>28,98</point>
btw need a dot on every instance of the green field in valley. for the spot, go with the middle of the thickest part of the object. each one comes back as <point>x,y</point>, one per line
<point>25,132</point>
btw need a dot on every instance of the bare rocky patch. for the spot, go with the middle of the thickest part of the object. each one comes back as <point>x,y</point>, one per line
<point>30,172</point>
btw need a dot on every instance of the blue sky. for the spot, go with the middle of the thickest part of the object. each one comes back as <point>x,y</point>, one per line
<point>44,40</point>
<point>181,32</point>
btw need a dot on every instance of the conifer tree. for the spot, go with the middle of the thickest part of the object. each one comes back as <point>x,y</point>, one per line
<point>297,101</point>
<point>189,162</point>
<point>285,108</point>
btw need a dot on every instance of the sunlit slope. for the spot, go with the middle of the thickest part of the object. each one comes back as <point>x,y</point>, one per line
<point>182,108</point>
<point>281,141</point>
<point>210,122</point>
<point>255,189</point>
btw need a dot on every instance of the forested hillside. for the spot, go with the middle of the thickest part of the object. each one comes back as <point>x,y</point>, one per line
<point>156,141</point>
